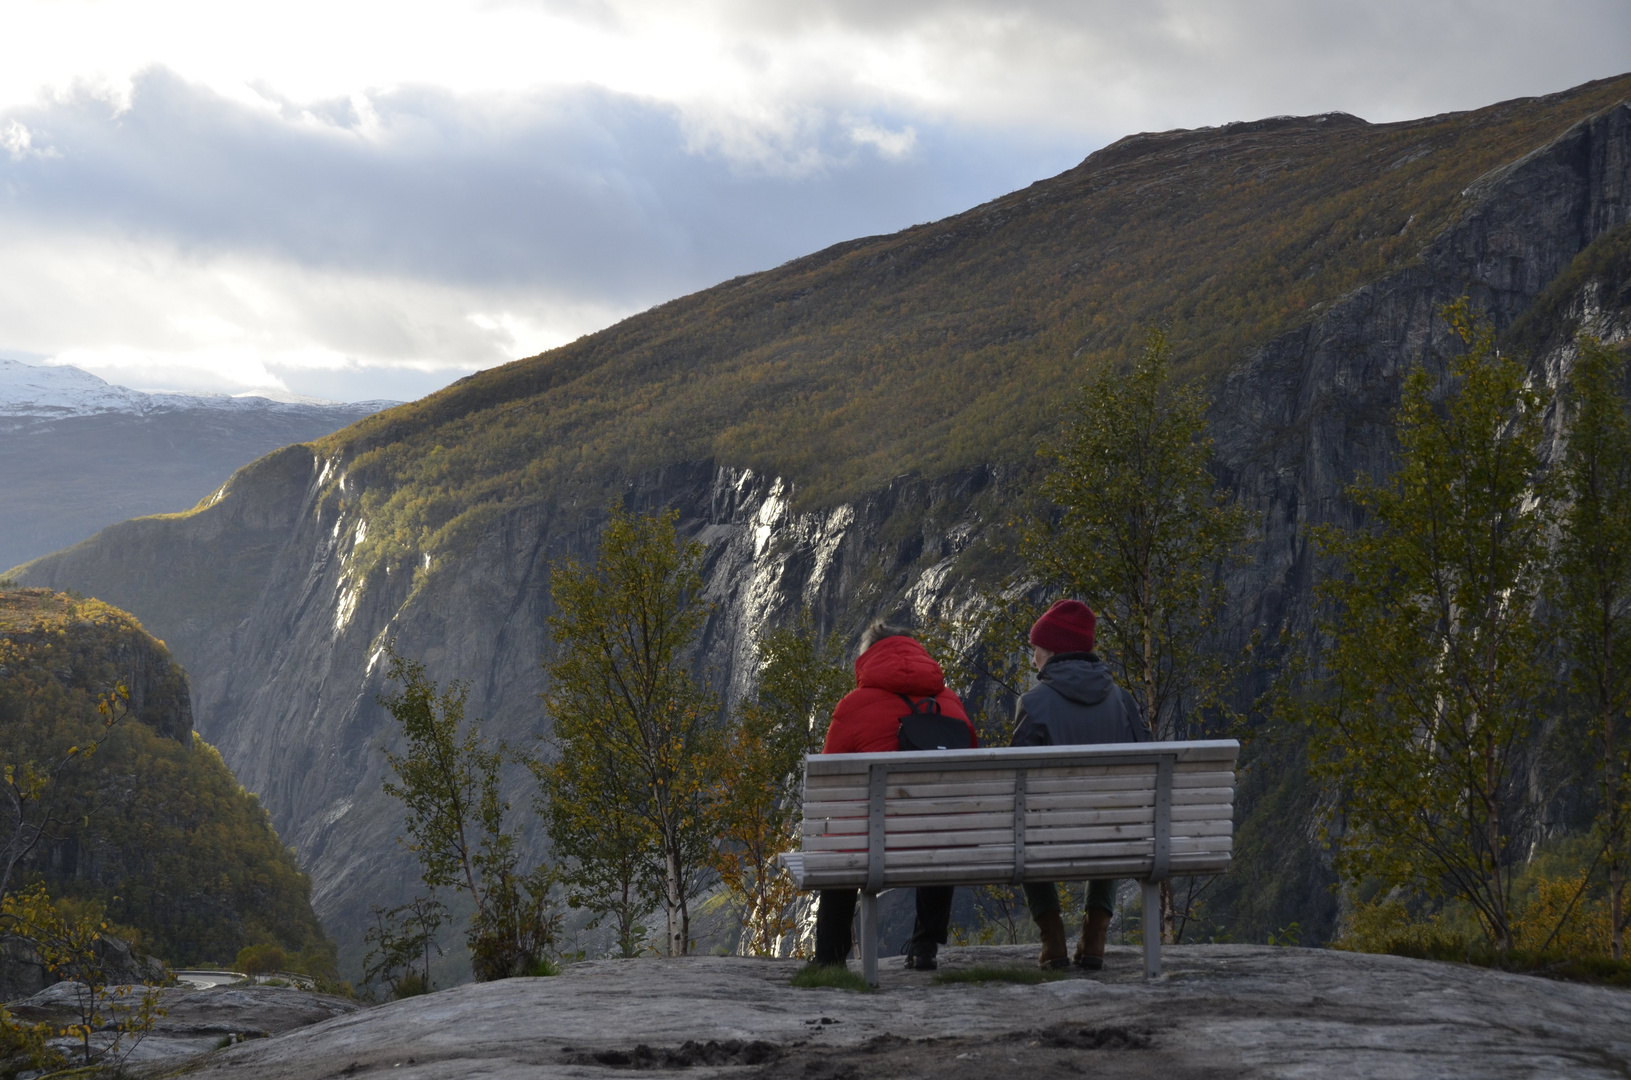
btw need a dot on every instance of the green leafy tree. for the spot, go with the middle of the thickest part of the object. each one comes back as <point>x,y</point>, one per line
<point>601,839</point>
<point>107,798</point>
<point>760,796</point>
<point>113,1018</point>
<point>627,711</point>
<point>400,944</point>
<point>449,782</point>
<point>1139,529</point>
<point>1434,667</point>
<point>1593,590</point>
<point>986,656</point>
<point>42,781</point>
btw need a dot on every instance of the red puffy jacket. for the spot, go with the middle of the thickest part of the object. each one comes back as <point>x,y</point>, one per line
<point>867,721</point>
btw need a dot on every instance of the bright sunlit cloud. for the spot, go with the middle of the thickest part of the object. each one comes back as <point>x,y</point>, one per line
<point>361,198</point>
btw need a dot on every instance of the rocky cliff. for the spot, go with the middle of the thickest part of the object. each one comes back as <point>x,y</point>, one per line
<point>273,598</point>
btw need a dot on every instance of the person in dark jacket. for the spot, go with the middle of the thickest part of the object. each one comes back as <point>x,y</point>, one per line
<point>1075,702</point>
<point>867,721</point>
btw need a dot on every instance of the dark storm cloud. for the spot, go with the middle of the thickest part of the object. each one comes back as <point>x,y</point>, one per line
<point>587,195</point>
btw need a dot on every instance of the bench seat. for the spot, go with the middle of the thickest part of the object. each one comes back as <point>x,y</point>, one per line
<point>1014,814</point>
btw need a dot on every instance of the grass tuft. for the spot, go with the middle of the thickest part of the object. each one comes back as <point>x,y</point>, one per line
<point>1595,970</point>
<point>984,973</point>
<point>830,976</point>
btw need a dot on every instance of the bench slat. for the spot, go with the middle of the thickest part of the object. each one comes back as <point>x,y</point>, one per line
<point>1004,853</point>
<point>1033,819</point>
<point>1040,841</point>
<point>1181,769</point>
<point>915,823</point>
<point>911,786</point>
<point>992,803</point>
<point>1222,750</point>
<point>997,875</point>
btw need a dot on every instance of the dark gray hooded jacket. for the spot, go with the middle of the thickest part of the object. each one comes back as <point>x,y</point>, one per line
<point>1077,702</point>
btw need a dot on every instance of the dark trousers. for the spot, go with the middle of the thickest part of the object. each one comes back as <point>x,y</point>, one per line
<point>1043,896</point>
<point>836,911</point>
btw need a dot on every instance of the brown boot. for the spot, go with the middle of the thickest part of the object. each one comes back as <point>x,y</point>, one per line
<point>1055,952</point>
<point>1090,949</point>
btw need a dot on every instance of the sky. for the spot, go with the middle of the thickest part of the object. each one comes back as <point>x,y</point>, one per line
<point>360,199</point>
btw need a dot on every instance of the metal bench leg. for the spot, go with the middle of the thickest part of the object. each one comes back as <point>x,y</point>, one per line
<point>869,937</point>
<point>1152,928</point>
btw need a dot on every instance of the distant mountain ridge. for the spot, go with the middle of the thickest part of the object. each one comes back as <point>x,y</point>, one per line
<point>78,453</point>
<point>57,391</point>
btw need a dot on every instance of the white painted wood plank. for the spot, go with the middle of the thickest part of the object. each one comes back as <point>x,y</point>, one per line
<point>998,853</point>
<point>911,841</point>
<point>1102,800</point>
<point>1221,750</point>
<point>1214,863</point>
<point>908,786</point>
<point>1043,837</point>
<point>835,826</point>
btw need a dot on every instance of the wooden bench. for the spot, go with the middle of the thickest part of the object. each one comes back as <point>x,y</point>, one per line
<point>1012,815</point>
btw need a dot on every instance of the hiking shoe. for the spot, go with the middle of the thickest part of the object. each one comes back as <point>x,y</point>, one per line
<point>921,962</point>
<point>1054,956</point>
<point>1090,949</point>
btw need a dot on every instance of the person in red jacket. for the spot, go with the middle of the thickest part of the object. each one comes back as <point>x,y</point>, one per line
<point>867,721</point>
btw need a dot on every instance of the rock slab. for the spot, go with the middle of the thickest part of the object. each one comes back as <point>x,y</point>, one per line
<point>1217,1011</point>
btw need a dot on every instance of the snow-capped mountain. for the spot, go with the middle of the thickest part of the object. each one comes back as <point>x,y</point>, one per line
<point>78,453</point>
<point>53,392</point>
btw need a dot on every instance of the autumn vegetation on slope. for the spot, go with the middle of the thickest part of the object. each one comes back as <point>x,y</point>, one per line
<point>151,827</point>
<point>953,343</point>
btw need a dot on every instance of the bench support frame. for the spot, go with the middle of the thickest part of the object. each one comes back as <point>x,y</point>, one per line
<point>877,794</point>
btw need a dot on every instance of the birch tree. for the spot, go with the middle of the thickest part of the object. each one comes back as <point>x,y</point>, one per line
<point>621,692</point>
<point>1435,680</point>
<point>1138,528</point>
<point>1593,591</point>
<point>801,678</point>
<point>458,824</point>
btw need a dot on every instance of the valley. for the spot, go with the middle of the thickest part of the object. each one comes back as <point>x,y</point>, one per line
<point>848,433</point>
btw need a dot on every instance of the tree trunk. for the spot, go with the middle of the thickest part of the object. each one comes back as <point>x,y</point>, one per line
<point>1169,922</point>
<point>1492,837</point>
<point>1616,827</point>
<point>1616,909</point>
<point>675,904</point>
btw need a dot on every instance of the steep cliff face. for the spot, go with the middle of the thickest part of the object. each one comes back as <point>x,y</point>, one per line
<point>1312,410</point>
<point>281,623</point>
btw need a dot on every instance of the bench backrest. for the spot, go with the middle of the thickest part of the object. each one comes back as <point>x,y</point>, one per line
<point>1016,814</point>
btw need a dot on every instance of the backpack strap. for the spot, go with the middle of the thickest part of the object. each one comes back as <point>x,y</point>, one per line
<point>931,706</point>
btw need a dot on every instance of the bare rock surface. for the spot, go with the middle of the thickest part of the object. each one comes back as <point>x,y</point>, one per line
<point>1217,1011</point>
<point>196,1021</point>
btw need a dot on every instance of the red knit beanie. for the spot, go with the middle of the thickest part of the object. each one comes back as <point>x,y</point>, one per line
<point>1065,627</point>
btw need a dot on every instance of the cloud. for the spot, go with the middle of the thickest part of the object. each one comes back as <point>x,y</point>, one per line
<point>340,190</point>
<point>413,229</point>
<point>18,143</point>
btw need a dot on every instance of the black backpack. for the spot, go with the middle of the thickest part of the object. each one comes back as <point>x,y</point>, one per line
<point>927,728</point>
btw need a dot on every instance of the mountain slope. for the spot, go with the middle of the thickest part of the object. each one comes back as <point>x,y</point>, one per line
<point>950,345</point>
<point>842,432</point>
<point>153,824</point>
<point>80,454</point>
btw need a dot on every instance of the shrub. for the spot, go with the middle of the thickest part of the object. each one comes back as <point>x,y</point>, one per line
<point>261,959</point>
